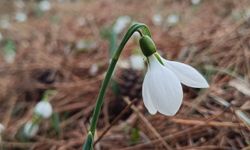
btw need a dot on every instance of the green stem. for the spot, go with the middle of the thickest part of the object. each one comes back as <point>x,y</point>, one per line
<point>142,29</point>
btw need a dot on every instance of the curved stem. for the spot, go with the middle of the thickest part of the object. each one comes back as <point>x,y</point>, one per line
<point>143,29</point>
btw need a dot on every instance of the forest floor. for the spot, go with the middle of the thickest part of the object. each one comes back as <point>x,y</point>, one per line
<point>65,47</point>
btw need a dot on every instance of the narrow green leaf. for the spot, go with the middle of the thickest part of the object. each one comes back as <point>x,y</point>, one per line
<point>89,142</point>
<point>55,123</point>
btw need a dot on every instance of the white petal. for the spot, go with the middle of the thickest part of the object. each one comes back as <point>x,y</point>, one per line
<point>187,74</point>
<point>165,88</point>
<point>146,96</point>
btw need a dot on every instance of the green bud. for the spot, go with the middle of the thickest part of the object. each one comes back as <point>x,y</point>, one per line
<point>147,45</point>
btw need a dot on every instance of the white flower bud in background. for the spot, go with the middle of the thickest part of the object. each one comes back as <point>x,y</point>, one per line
<point>43,109</point>
<point>21,17</point>
<point>173,19</point>
<point>44,5</point>
<point>121,24</point>
<point>85,45</point>
<point>30,129</point>
<point>93,69</point>
<point>195,2</point>
<point>2,128</point>
<point>137,62</point>
<point>157,19</point>
<point>136,36</point>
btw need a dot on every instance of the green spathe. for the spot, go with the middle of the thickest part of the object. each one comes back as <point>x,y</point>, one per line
<point>147,45</point>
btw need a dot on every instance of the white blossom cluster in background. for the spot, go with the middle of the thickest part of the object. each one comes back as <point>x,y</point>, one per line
<point>43,110</point>
<point>171,19</point>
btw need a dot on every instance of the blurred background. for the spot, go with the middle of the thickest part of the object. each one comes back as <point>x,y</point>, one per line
<point>63,47</point>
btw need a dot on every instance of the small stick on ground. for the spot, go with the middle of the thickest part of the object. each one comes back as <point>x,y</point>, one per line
<point>115,121</point>
<point>148,124</point>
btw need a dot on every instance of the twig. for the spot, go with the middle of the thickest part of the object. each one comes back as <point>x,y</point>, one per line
<point>148,124</point>
<point>11,145</point>
<point>206,123</point>
<point>115,121</point>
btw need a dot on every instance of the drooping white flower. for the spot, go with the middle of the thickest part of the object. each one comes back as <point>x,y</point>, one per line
<point>162,89</point>
<point>43,109</point>
<point>30,129</point>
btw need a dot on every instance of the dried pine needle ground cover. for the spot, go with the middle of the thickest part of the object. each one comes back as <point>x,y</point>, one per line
<point>56,50</point>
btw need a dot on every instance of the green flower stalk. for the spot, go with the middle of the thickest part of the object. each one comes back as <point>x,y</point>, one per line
<point>143,30</point>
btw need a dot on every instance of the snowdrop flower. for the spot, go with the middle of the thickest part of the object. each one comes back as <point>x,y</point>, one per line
<point>121,24</point>
<point>161,89</point>
<point>43,109</point>
<point>30,129</point>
